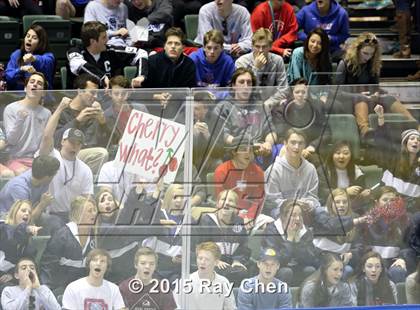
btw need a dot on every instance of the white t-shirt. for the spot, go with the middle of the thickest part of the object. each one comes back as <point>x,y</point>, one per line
<point>74,178</point>
<point>81,295</point>
<point>343,180</point>
<point>202,298</point>
<point>120,182</point>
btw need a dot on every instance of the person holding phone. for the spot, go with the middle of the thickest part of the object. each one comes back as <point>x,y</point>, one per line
<point>29,293</point>
<point>85,113</point>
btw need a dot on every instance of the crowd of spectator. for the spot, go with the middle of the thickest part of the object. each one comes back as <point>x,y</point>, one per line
<point>282,185</point>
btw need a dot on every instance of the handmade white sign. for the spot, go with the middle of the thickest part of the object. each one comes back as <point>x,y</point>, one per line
<point>151,147</point>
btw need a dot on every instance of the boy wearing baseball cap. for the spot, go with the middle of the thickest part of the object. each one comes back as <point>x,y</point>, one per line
<point>264,291</point>
<point>74,177</point>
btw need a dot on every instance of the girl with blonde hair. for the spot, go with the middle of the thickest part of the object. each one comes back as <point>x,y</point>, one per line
<point>20,211</point>
<point>356,57</point>
<point>15,235</point>
<point>337,230</point>
<point>362,65</point>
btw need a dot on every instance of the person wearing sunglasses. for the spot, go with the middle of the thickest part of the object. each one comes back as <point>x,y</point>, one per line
<point>362,66</point>
<point>232,20</point>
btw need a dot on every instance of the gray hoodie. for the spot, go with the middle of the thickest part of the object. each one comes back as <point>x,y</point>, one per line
<point>282,182</point>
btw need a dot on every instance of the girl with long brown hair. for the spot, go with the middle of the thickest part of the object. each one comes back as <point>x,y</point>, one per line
<point>325,287</point>
<point>310,59</point>
<point>33,56</point>
<point>371,285</point>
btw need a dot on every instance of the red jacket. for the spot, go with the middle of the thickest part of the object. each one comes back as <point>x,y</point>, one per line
<point>248,184</point>
<point>287,25</point>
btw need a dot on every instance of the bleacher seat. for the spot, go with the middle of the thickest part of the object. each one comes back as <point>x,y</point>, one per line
<point>59,31</point>
<point>28,20</point>
<point>344,127</point>
<point>9,37</point>
<point>395,124</point>
<point>7,18</point>
<point>59,35</point>
<point>191,26</point>
<point>130,72</point>
<point>373,175</point>
<point>40,243</point>
<point>76,26</point>
<point>388,118</point>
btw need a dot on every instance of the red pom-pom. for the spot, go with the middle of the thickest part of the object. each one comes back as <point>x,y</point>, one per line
<point>390,212</point>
